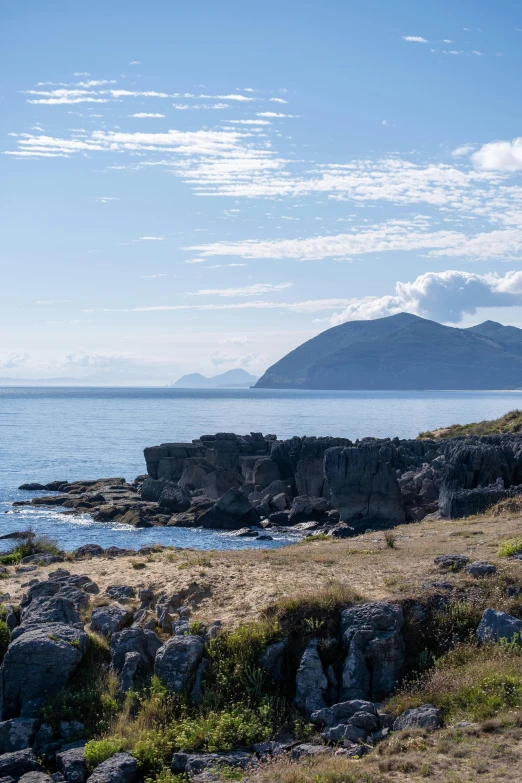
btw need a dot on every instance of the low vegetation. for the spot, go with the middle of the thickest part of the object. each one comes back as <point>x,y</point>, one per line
<point>32,544</point>
<point>510,422</point>
<point>511,547</point>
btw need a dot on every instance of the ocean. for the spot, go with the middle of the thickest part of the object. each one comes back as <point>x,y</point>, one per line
<point>87,433</point>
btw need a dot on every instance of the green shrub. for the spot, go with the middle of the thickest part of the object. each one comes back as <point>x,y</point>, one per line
<point>235,676</point>
<point>221,731</point>
<point>98,751</point>
<point>5,636</point>
<point>511,547</point>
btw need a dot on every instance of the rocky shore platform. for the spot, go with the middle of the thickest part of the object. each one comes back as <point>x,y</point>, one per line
<point>252,484</point>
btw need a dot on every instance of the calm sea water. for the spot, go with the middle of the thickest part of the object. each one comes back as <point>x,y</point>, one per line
<point>80,433</point>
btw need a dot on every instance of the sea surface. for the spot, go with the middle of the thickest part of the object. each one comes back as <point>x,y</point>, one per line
<point>87,433</point>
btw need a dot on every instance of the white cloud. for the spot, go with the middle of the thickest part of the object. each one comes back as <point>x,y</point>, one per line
<point>442,296</point>
<point>248,122</point>
<point>134,62</point>
<point>105,199</point>
<point>414,39</point>
<point>237,340</point>
<point>218,358</point>
<point>277,100</point>
<point>272,114</point>
<point>465,150</point>
<point>499,156</point>
<point>308,306</point>
<point>195,260</point>
<point>13,360</point>
<point>142,115</point>
<point>250,290</point>
<point>150,239</point>
<point>52,301</point>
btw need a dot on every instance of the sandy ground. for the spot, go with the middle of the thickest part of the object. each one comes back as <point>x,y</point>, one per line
<point>235,585</point>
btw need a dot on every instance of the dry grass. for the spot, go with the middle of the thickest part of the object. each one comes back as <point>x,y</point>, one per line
<point>448,756</point>
<point>510,422</point>
<point>235,586</point>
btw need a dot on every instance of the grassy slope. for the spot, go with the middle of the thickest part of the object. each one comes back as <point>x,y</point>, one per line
<point>510,422</point>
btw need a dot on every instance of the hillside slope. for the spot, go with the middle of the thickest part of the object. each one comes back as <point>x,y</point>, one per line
<point>510,422</point>
<point>402,352</point>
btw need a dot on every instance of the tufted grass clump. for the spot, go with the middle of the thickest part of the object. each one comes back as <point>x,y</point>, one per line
<point>32,544</point>
<point>510,547</point>
<point>468,683</point>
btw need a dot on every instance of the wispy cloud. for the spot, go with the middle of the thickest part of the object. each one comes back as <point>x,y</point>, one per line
<point>414,39</point>
<point>142,115</point>
<point>249,290</point>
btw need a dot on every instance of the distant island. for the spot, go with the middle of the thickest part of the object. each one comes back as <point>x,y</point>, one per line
<point>232,379</point>
<point>402,352</point>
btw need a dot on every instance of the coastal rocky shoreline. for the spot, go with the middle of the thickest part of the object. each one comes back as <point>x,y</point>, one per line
<point>119,670</point>
<point>252,485</point>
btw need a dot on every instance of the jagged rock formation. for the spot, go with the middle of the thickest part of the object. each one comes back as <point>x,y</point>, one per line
<point>227,481</point>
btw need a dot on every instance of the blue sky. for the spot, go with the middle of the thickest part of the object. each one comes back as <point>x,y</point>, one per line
<point>197,187</point>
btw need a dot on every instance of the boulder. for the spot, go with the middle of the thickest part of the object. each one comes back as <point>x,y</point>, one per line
<point>72,764</point>
<point>88,550</point>
<point>375,650</point>
<point>120,768</point>
<point>451,562</point>
<point>107,620</point>
<point>217,483</point>
<point>363,485</point>
<point>51,609</point>
<point>195,763</point>
<point>342,712</point>
<point>138,640</point>
<point>151,489</point>
<point>194,473</point>
<point>121,593</point>
<point>265,471</point>
<point>174,499</point>
<point>35,777</point>
<point>177,661</point>
<point>481,568</point>
<point>17,734</point>
<point>311,685</point>
<point>426,717</point>
<point>343,732</point>
<point>307,509</point>
<point>495,625</point>
<point>38,663</point>
<point>231,512</point>
<point>18,763</point>
<point>308,750</point>
<point>132,671</point>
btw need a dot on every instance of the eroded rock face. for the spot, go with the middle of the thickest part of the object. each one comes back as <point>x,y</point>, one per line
<point>231,512</point>
<point>110,619</point>
<point>120,768</point>
<point>311,682</point>
<point>18,763</point>
<point>177,661</point>
<point>17,734</point>
<point>426,717</point>
<point>72,764</point>
<point>134,640</point>
<point>363,485</point>
<point>38,663</point>
<point>375,650</point>
<point>342,712</point>
<point>495,625</point>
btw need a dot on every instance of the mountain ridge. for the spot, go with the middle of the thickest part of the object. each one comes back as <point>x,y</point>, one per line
<point>403,352</point>
<point>236,378</point>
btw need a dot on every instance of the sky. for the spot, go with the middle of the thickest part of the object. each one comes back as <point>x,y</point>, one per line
<point>197,187</point>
